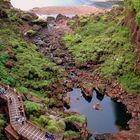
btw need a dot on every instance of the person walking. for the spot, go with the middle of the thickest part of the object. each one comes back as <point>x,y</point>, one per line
<point>10,100</point>
<point>19,98</point>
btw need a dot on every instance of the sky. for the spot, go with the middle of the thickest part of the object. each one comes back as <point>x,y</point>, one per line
<point>29,4</point>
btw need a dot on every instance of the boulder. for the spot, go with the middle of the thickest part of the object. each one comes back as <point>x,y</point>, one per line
<point>36,27</point>
<point>61,17</point>
<point>66,100</point>
<point>102,136</point>
<point>87,89</point>
<point>97,106</point>
<point>40,42</point>
<point>101,88</point>
<point>40,22</point>
<point>50,19</point>
<point>68,84</point>
<point>78,127</point>
<point>28,16</point>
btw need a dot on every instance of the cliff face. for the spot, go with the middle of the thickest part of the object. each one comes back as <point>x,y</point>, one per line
<point>130,22</point>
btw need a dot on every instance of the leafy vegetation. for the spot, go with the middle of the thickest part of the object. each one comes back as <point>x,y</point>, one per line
<point>71,134</point>
<point>30,71</point>
<point>52,125</point>
<point>134,4</point>
<point>104,41</point>
<point>33,108</point>
<point>2,125</point>
<point>78,118</point>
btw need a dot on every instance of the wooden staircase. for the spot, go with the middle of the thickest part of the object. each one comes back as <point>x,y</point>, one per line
<point>18,121</point>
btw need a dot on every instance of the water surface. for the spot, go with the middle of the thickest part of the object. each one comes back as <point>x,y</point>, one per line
<point>111,118</point>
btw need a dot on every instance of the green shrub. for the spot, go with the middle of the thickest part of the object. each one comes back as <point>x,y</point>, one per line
<point>54,127</point>
<point>131,82</point>
<point>61,124</point>
<point>104,41</point>
<point>23,90</point>
<point>2,126</point>
<point>34,109</point>
<point>77,118</point>
<point>31,32</point>
<point>71,134</point>
<point>134,4</point>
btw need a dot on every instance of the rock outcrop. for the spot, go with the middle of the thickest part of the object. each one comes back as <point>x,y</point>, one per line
<point>131,23</point>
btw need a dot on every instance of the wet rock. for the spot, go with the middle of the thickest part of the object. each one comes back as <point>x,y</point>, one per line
<point>61,17</point>
<point>60,97</point>
<point>87,89</point>
<point>68,84</point>
<point>101,88</point>
<point>36,27</point>
<point>78,127</point>
<point>124,135</point>
<point>97,106</point>
<point>66,100</point>
<point>28,16</point>
<point>40,43</point>
<point>59,104</point>
<point>50,20</point>
<point>102,136</point>
<point>40,22</point>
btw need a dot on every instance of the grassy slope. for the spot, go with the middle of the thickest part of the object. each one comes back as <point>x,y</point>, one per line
<point>102,39</point>
<point>30,72</point>
<point>134,4</point>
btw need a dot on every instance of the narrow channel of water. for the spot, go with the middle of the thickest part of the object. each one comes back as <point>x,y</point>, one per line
<point>110,118</point>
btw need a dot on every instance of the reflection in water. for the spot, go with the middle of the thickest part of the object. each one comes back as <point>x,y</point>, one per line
<point>111,118</point>
<point>121,118</point>
<point>88,99</point>
<point>99,96</point>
